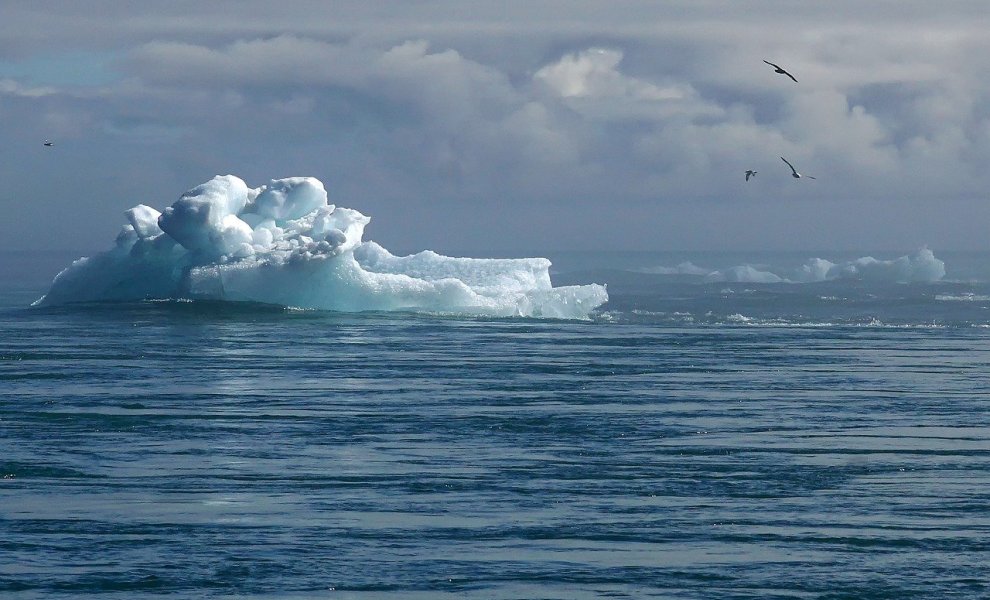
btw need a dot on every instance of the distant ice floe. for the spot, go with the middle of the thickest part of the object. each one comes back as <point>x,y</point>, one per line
<point>964,297</point>
<point>685,268</point>
<point>283,244</point>
<point>920,267</point>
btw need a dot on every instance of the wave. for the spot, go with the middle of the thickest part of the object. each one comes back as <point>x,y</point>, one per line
<point>283,244</point>
<point>740,320</point>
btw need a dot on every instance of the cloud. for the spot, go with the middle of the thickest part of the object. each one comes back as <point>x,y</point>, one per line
<point>594,73</point>
<point>9,87</point>
<point>591,83</point>
<point>285,59</point>
<point>644,111</point>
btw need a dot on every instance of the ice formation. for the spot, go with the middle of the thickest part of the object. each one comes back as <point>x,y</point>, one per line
<point>284,244</point>
<point>920,267</point>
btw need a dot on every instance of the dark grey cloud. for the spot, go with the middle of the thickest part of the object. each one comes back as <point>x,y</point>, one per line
<point>513,125</point>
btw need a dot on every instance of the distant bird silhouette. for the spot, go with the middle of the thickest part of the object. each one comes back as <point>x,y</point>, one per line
<point>794,172</point>
<point>49,144</point>
<point>779,69</point>
<point>750,173</point>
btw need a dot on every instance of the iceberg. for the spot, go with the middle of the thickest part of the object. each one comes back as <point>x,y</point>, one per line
<point>284,244</point>
<point>920,267</point>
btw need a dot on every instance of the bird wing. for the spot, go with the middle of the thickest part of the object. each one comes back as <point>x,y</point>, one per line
<point>780,69</point>
<point>789,164</point>
<point>809,177</point>
<point>747,175</point>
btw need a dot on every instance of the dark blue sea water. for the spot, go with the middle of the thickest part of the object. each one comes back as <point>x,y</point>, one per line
<point>692,440</point>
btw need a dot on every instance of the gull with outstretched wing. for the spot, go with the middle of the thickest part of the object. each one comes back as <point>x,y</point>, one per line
<point>779,69</point>
<point>794,172</point>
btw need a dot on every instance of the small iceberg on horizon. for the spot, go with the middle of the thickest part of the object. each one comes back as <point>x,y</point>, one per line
<point>919,267</point>
<point>284,244</point>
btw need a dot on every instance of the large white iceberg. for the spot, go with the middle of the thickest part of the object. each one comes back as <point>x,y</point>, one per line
<point>284,244</point>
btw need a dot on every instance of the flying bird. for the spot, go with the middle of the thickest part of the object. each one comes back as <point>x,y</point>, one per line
<point>794,172</point>
<point>750,173</point>
<point>779,69</point>
<point>49,144</point>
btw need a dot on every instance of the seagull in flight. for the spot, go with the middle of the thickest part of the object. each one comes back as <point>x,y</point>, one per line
<point>794,172</point>
<point>49,143</point>
<point>779,69</point>
<point>750,173</point>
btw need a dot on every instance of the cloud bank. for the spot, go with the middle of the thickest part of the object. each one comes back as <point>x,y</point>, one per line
<point>642,116</point>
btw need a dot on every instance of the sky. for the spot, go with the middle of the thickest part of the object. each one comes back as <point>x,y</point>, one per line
<point>510,128</point>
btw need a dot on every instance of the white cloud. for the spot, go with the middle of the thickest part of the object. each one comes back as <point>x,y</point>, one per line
<point>594,73</point>
<point>591,83</point>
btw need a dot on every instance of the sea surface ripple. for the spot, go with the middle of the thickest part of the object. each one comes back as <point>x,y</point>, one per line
<point>211,450</point>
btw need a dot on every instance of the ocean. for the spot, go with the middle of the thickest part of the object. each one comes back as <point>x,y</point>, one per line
<point>710,432</point>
